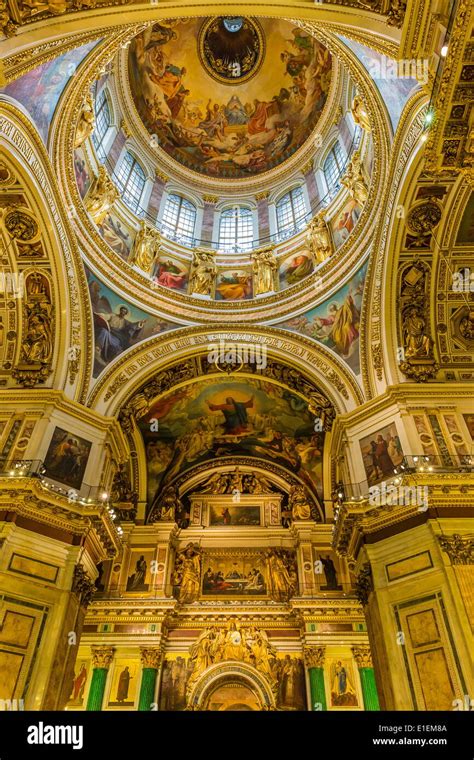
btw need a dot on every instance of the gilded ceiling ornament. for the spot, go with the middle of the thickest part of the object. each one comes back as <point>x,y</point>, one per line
<point>125,129</point>
<point>396,13</point>
<point>102,657</point>
<point>6,176</point>
<point>203,272</point>
<point>466,326</point>
<point>85,122</point>
<point>146,248</point>
<point>264,269</point>
<point>20,224</point>
<point>364,584</point>
<point>314,656</point>
<point>82,585</point>
<point>36,352</point>
<point>31,8</point>
<point>363,657</point>
<point>354,180</point>
<point>424,217</point>
<point>101,196</point>
<point>8,24</point>
<point>319,238</point>
<point>417,360</point>
<point>360,114</point>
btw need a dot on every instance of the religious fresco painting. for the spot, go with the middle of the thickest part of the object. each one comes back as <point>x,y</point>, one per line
<point>66,458</point>
<point>40,89</point>
<point>186,77</point>
<point>123,688</point>
<point>234,576</point>
<point>381,453</point>
<point>82,171</point>
<point>118,325</point>
<point>233,515</point>
<point>139,576</point>
<point>294,268</point>
<point>469,420</point>
<point>465,234</point>
<point>234,285</point>
<point>176,671</point>
<point>345,221</point>
<point>117,235</point>
<point>336,322</point>
<point>230,418</point>
<point>343,690</point>
<point>172,273</point>
<point>82,670</point>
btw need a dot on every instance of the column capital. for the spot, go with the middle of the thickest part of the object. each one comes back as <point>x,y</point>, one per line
<point>314,656</point>
<point>262,196</point>
<point>363,656</point>
<point>102,657</point>
<point>161,175</point>
<point>213,199</point>
<point>151,657</point>
<point>460,549</point>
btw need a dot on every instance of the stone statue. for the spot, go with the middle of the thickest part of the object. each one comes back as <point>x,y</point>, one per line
<point>330,573</point>
<point>146,247</point>
<point>264,269</point>
<point>354,179</point>
<point>101,197</point>
<point>203,272</point>
<point>415,340</point>
<point>121,490</point>
<point>85,123</point>
<point>188,573</point>
<point>133,410</point>
<point>322,409</point>
<point>169,504</point>
<point>200,655</point>
<point>360,115</point>
<point>319,238</point>
<point>298,503</point>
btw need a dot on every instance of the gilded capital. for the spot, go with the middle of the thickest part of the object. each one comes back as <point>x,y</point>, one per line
<point>460,549</point>
<point>363,657</point>
<point>151,657</point>
<point>314,656</point>
<point>210,199</point>
<point>102,656</point>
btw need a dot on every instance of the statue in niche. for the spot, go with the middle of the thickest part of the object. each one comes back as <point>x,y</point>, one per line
<point>146,248</point>
<point>298,503</point>
<point>281,573</point>
<point>101,197</point>
<point>330,573</point>
<point>203,272</point>
<point>169,505</point>
<point>85,122</point>
<point>37,345</point>
<point>264,269</point>
<point>121,490</point>
<point>319,238</point>
<point>360,115</point>
<point>188,573</point>
<point>354,179</point>
<point>415,340</point>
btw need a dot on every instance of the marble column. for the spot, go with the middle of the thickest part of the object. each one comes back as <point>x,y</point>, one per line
<point>363,658</point>
<point>157,194</point>
<point>151,660</point>
<point>311,184</point>
<point>101,659</point>
<point>314,662</point>
<point>208,218</point>
<point>115,150</point>
<point>263,216</point>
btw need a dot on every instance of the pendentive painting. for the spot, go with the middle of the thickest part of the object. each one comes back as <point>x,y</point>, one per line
<point>171,273</point>
<point>185,76</point>
<point>66,458</point>
<point>295,268</point>
<point>235,285</point>
<point>213,418</point>
<point>382,453</point>
<point>82,171</point>
<point>117,235</point>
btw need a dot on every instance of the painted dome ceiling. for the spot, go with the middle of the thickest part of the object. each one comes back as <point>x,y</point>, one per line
<point>229,97</point>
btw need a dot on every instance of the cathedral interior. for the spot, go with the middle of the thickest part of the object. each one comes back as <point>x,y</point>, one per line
<point>236,355</point>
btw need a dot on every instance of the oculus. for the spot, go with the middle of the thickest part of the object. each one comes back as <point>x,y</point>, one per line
<point>231,49</point>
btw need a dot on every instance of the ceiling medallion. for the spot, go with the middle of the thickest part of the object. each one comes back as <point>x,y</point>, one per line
<point>231,49</point>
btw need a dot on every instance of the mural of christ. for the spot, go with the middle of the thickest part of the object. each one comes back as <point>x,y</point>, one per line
<point>235,414</point>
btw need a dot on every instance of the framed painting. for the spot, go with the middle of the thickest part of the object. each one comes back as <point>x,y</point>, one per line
<point>381,453</point>
<point>66,458</point>
<point>235,515</point>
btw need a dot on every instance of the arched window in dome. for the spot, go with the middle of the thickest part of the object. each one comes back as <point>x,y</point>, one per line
<point>130,179</point>
<point>333,169</point>
<point>236,229</point>
<point>103,121</point>
<point>179,219</point>
<point>291,211</point>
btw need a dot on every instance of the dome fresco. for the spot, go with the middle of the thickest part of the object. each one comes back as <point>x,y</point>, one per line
<point>232,114</point>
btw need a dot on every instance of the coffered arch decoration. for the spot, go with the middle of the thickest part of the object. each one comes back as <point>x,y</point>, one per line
<point>235,674</point>
<point>42,253</point>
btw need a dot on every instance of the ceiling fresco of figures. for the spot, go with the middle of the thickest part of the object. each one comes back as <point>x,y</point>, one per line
<point>229,97</point>
<point>219,418</point>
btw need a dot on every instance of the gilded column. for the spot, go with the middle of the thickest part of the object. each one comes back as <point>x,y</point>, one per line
<point>314,661</point>
<point>151,660</point>
<point>363,658</point>
<point>101,659</point>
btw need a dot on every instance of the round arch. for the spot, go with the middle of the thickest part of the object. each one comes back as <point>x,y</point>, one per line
<point>227,673</point>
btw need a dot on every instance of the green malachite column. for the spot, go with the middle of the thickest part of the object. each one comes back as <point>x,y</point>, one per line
<point>363,658</point>
<point>151,659</point>
<point>314,661</point>
<point>101,659</point>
